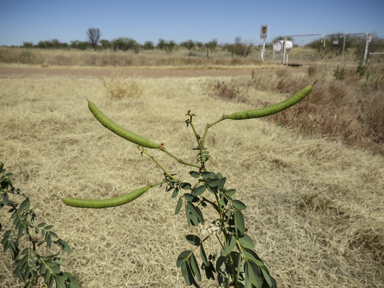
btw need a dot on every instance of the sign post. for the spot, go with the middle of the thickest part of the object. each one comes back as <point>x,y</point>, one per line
<point>264,33</point>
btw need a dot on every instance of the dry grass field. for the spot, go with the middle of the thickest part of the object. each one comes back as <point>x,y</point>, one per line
<point>315,203</point>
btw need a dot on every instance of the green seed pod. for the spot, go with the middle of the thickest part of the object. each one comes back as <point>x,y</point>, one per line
<point>1,166</point>
<point>112,202</point>
<point>262,112</point>
<point>128,135</point>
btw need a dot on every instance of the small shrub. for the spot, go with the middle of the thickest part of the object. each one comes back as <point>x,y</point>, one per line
<point>312,70</point>
<point>361,68</point>
<point>121,88</point>
<point>233,91</point>
<point>31,263</point>
<point>282,73</point>
<point>339,73</point>
<point>26,57</point>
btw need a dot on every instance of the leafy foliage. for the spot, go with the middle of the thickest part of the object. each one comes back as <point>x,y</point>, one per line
<point>30,263</point>
<point>238,265</point>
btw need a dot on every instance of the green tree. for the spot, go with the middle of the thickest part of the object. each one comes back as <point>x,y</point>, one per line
<point>125,44</point>
<point>148,45</point>
<point>242,49</point>
<point>27,44</point>
<point>105,44</point>
<point>189,44</point>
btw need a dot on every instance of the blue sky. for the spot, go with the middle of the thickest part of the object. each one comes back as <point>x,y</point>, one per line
<point>149,20</point>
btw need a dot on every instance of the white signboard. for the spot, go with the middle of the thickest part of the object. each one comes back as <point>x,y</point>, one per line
<point>264,31</point>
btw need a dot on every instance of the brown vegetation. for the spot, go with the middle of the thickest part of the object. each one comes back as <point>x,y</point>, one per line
<point>350,109</point>
<point>315,206</point>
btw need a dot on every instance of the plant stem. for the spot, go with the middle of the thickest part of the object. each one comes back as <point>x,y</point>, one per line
<point>226,239</point>
<point>209,126</point>
<point>178,159</point>
<point>199,144</point>
<point>158,164</point>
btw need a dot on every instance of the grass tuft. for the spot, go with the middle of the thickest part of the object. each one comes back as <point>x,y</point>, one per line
<point>118,88</point>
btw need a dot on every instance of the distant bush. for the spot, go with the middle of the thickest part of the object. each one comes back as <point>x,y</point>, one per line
<point>118,88</point>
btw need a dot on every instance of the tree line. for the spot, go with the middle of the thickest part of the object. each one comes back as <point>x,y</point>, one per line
<point>238,47</point>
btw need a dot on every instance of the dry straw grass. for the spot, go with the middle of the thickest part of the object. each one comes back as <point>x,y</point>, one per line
<point>350,109</point>
<point>315,207</point>
<point>107,58</point>
<point>118,88</point>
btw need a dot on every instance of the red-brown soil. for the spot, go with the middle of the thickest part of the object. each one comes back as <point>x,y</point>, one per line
<point>25,71</point>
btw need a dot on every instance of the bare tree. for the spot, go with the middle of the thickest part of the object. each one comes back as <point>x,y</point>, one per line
<point>93,35</point>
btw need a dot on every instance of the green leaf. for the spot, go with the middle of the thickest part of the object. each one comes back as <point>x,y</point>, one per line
<point>185,186</point>
<point>195,211</point>
<point>19,275</point>
<point>266,276</point>
<point>28,285</point>
<point>206,175</point>
<point>48,227</point>
<point>199,190</point>
<point>59,282</point>
<point>41,225</point>
<point>52,280</point>
<point>210,190</point>
<point>223,272</point>
<point>25,251</point>
<point>60,262</point>
<point>49,240</point>
<point>42,269</point>
<point>203,255</point>
<point>191,219</point>
<point>238,204</point>
<point>47,276</point>
<point>191,198</point>
<point>21,229</point>
<point>239,221</point>
<point>194,174</point>
<point>193,239</point>
<point>230,192</point>
<point>6,234</point>
<point>55,269</point>
<point>14,214</point>
<point>254,274</point>
<point>74,283</point>
<point>213,182</point>
<point>221,183</point>
<point>64,245</point>
<point>178,206</point>
<point>229,247</point>
<point>247,278</point>
<point>175,192</point>
<point>195,267</point>
<point>185,270</point>
<point>246,241</point>
<point>24,205</point>
<point>251,255</point>
<point>182,257</point>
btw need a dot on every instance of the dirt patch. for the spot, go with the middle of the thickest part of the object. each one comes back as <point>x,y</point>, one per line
<point>38,72</point>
